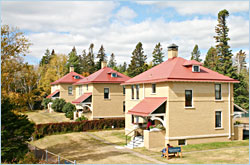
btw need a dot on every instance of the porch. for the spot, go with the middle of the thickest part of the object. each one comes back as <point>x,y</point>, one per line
<point>149,122</point>
<point>83,106</point>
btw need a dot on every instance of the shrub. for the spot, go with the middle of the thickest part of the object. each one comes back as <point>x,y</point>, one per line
<point>68,109</point>
<point>82,118</point>
<point>29,158</point>
<point>42,130</point>
<point>57,104</point>
<point>45,102</point>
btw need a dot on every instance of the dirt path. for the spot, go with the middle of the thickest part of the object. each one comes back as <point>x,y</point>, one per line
<point>123,149</point>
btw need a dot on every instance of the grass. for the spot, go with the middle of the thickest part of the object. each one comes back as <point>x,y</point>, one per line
<point>215,145</point>
<point>42,116</point>
<point>84,149</point>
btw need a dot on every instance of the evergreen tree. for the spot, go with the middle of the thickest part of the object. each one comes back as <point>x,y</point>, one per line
<point>195,54</point>
<point>211,59</point>
<point>241,90</point>
<point>224,65</point>
<point>46,58</point>
<point>73,60</point>
<point>138,61</point>
<point>16,131</point>
<point>240,61</point>
<point>112,61</point>
<point>101,57</point>
<point>157,54</point>
<point>83,62</point>
<point>91,59</point>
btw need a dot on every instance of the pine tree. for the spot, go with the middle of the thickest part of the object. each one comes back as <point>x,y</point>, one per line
<point>73,60</point>
<point>240,61</point>
<point>211,59</point>
<point>195,54</point>
<point>83,62</point>
<point>91,59</point>
<point>101,57</point>
<point>157,54</point>
<point>46,58</point>
<point>112,61</point>
<point>138,61</point>
<point>224,65</point>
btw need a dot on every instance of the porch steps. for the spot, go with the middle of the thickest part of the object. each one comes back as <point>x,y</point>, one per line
<point>138,142</point>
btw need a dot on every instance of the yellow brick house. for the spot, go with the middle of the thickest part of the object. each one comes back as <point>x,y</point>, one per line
<point>192,103</point>
<point>100,95</point>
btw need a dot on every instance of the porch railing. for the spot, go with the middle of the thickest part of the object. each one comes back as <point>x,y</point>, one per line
<point>135,134</point>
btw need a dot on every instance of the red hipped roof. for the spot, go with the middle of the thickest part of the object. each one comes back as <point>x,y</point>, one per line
<point>147,106</point>
<point>68,79</point>
<point>82,98</point>
<point>174,70</point>
<point>53,93</point>
<point>104,76</point>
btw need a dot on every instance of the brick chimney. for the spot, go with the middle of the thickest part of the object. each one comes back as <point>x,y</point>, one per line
<point>172,51</point>
<point>104,64</point>
<point>71,68</point>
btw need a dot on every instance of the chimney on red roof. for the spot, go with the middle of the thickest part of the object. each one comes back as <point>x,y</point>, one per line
<point>104,64</point>
<point>71,68</point>
<point>172,51</point>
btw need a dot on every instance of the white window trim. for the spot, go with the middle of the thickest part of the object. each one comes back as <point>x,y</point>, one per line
<point>198,68</point>
<point>192,99</point>
<point>104,93</point>
<point>221,119</point>
<point>72,91</point>
<point>220,92</point>
<point>152,89</point>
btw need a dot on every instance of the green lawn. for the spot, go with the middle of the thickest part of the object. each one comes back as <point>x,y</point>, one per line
<point>42,116</point>
<point>79,146</point>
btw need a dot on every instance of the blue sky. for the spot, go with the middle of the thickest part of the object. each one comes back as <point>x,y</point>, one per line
<point>120,25</point>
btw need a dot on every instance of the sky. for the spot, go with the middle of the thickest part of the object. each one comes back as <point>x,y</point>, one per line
<point>120,25</point>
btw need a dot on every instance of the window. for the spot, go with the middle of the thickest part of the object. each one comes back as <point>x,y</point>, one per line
<point>124,106</point>
<point>113,74</point>
<point>87,87</point>
<point>132,119</point>
<point>77,77</point>
<point>217,91</point>
<point>188,98</point>
<point>106,93</point>
<point>153,88</point>
<point>196,68</point>
<point>132,92</point>
<point>182,142</point>
<point>124,89</point>
<point>218,119</point>
<point>137,91</point>
<point>70,90</point>
<point>80,90</point>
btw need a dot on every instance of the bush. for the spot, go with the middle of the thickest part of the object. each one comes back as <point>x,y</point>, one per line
<point>82,118</point>
<point>68,109</point>
<point>57,104</point>
<point>29,158</point>
<point>42,130</point>
<point>45,102</point>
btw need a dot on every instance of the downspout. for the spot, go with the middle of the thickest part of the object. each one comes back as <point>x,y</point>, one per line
<point>143,91</point>
<point>229,110</point>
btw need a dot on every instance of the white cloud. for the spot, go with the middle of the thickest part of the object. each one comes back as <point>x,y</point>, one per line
<point>126,13</point>
<point>62,25</point>
<point>200,7</point>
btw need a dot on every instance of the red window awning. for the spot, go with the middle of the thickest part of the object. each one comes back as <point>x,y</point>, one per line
<point>82,98</point>
<point>147,106</point>
<point>53,93</point>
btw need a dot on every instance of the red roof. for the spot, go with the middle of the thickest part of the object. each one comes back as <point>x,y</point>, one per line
<point>191,62</point>
<point>147,106</point>
<point>53,93</point>
<point>104,76</point>
<point>82,98</point>
<point>68,79</point>
<point>174,70</point>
